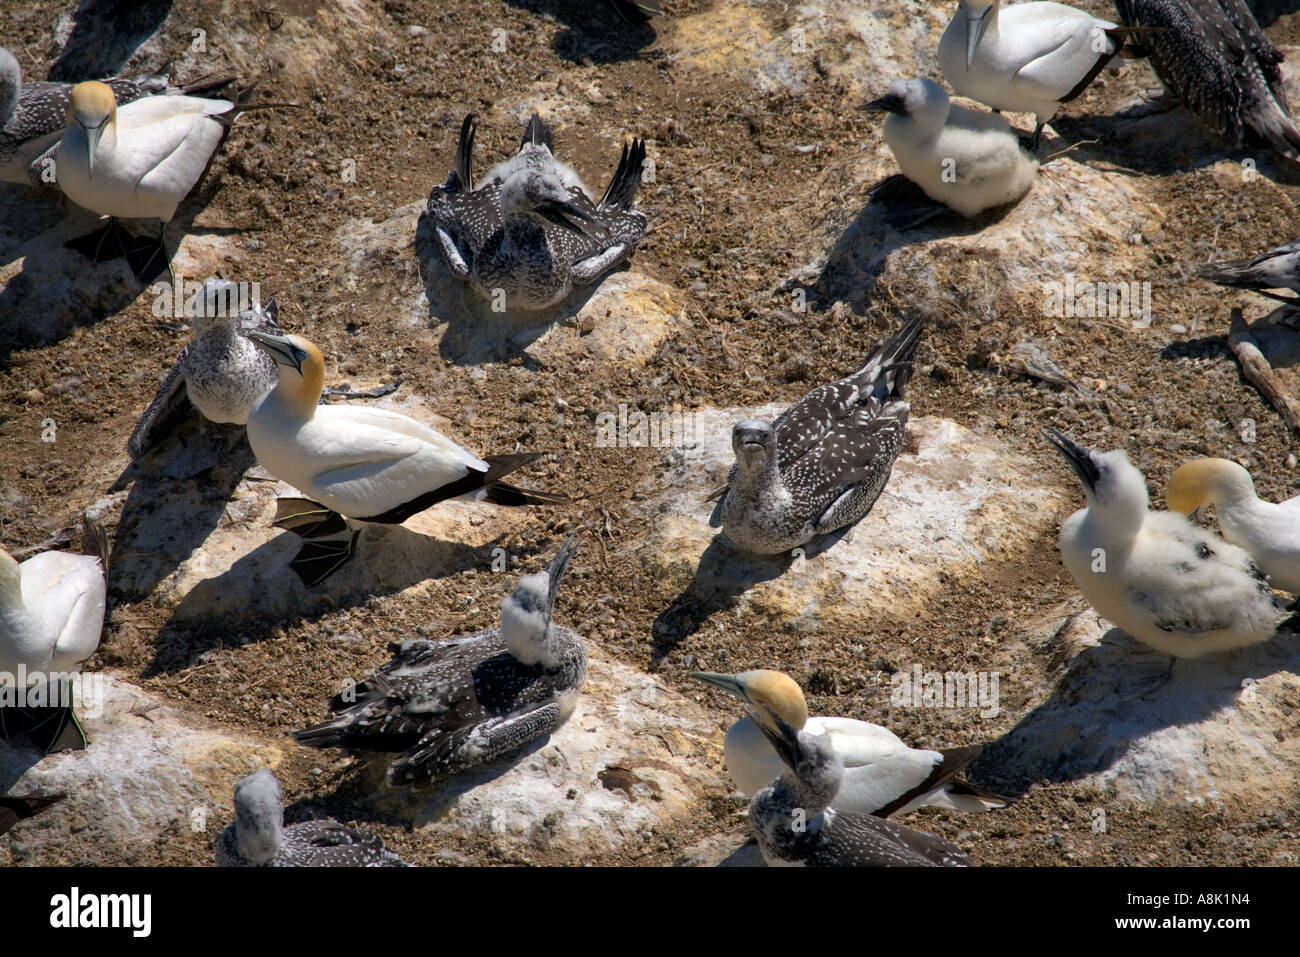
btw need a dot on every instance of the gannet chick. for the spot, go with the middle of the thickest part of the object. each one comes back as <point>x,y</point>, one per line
<point>1178,588</point>
<point>33,115</point>
<point>14,809</point>
<point>825,460</point>
<point>1214,57</point>
<point>797,826</point>
<point>1025,58</point>
<point>259,838</point>
<point>966,160</point>
<point>365,464</point>
<point>140,160</point>
<point>221,371</point>
<point>448,706</point>
<point>1276,269</point>
<point>1271,533</point>
<point>882,775</point>
<point>532,232</point>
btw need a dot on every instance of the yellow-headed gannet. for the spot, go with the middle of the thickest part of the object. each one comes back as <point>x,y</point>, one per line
<point>532,232</point>
<point>1271,533</point>
<point>1276,269</point>
<point>33,115</point>
<point>138,161</point>
<point>365,464</point>
<point>825,460</point>
<point>797,825</point>
<point>882,775</point>
<point>966,160</point>
<point>448,706</point>
<point>259,838</point>
<point>14,809</point>
<point>1025,58</point>
<point>1178,588</point>
<point>1214,57</point>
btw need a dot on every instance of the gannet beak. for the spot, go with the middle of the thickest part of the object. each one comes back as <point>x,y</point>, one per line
<point>889,103</point>
<point>280,348</point>
<point>570,216</point>
<point>727,683</point>
<point>974,34</point>
<point>783,736</point>
<point>559,565</point>
<point>1078,457</point>
<point>93,134</point>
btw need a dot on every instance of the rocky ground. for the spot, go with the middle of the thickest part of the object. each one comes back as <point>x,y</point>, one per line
<point>766,272</point>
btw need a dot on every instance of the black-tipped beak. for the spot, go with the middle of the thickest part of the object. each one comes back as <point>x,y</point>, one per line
<point>280,348</point>
<point>727,683</point>
<point>783,736</point>
<point>570,216</point>
<point>1079,458</point>
<point>889,103</point>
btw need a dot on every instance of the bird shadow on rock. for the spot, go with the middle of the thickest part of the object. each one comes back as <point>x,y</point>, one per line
<point>105,33</point>
<point>474,332</point>
<point>260,594</point>
<point>859,254</point>
<point>594,31</point>
<point>1268,12</point>
<point>15,761</point>
<point>723,574</point>
<point>1112,696</point>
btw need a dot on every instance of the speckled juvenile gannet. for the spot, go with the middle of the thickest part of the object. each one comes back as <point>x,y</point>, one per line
<point>141,160</point>
<point>1276,269</point>
<point>258,837</point>
<point>882,775</point>
<point>14,809</point>
<point>1270,532</point>
<point>365,464</point>
<point>1178,588</point>
<point>448,706</point>
<point>966,160</point>
<point>1025,58</point>
<point>797,825</point>
<point>824,461</point>
<point>1214,57</point>
<point>222,371</point>
<point>33,115</point>
<point>531,232</point>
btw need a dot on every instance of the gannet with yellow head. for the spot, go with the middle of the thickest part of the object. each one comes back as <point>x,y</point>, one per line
<point>882,775</point>
<point>1270,532</point>
<point>365,464</point>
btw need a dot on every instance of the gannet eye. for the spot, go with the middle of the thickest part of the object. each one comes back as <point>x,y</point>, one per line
<point>299,355</point>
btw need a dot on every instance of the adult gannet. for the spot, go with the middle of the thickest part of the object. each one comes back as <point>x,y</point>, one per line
<point>221,371</point>
<point>1025,58</point>
<point>140,160</point>
<point>1271,533</point>
<point>882,775</point>
<point>364,464</point>
<point>451,705</point>
<point>33,115</point>
<point>966,160</point>
<point>532,231</point>
<point>1214,57</point>
<point>1178,588</point>
<point>51,617</point>
<point>1276,269</point>
<point>821,465</point>
<point>259,838</point>
<point>14,809</point>
<point>797,825</point>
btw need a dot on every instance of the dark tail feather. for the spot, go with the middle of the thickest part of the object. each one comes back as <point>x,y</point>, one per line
<point>465,152</point>
<point>537,133</point>
<point>898,353</point>
<point>94,541</point>
<point>622,188</point>
<point>502,493</point>
<point>207,85</point>
<point>966,789</point>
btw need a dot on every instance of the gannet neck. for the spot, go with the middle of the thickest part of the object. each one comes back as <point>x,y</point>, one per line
<point>259,817</point>
<point>817,775</point>
<point>300,386</point>
<point>526,622</point>
<point>11,582</point>
<point>1220,482</point>
<point>11,84</point>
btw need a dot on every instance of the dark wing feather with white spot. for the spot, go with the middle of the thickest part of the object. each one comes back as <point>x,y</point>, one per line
<point>621,223</point>
<point>1276,269</point>
<point>863,840</point>
<point>169,407</point>
<point>469,216</point>
<point>1213,55</point>
<point>331,844</point>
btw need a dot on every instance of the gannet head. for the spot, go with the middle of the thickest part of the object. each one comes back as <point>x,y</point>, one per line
<point>1116,490</point>
<point>11,84</point>
<point>1207,482</point>
<point>93,107</point>
<point>540,192</point>
<point>259,816</point>
<point>813,764</point>
<point>921,99</point>
<point>527,611</point>
<point>977,16</point>
<point>764,691</point>
<point>754,442</point>
<point>11,581</point>
<point>301,391</point>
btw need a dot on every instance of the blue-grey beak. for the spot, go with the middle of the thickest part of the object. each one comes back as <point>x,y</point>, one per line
<point>280,348</point>
<point>975,29</point>
<point>93,133</point>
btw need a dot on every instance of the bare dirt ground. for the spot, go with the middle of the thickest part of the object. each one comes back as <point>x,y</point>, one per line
<point>277,183</point>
